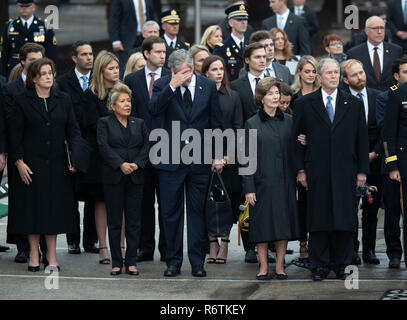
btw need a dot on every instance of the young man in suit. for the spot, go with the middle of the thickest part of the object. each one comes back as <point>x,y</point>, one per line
<point>141,83</point>
<point>126,20</point>
<point>255,62</point>
<point>28,53</point>
<point>150,28</point>
<point>74,83</point>
<point>334,162</point>
<point>397,20</point>
<point>355,77</point>
<point>294,26</point>
<point>376,55</point>
<point>190,101</point>
<point>231,49</point>
<point>302,10</point>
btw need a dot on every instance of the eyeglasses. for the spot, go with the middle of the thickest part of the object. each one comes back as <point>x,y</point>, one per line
<point>377,28</point>
<point>336,44</point>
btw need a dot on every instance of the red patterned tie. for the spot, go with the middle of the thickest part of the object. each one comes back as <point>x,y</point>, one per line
<point>150,88</point>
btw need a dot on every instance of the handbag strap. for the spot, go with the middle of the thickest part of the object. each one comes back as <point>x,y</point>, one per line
<point>223,185</point>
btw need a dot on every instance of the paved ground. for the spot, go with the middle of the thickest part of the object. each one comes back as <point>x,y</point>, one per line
<point>83,278</point>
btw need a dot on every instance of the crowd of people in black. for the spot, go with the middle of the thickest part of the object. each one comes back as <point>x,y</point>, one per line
<point>331,139</point>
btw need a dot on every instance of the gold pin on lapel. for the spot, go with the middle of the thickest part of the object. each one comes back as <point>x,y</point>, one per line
<point>290,21</point>
<point>387,51</point>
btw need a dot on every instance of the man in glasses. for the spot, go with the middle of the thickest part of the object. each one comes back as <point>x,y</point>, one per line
<point>376,55</point>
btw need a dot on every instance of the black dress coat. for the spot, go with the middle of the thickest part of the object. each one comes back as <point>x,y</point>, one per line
<point>115,149</point>
<point>242,86</point>
<point>274,216</point>
<point>46,205</point>
<point>395,22</point>
<point>335,153</point>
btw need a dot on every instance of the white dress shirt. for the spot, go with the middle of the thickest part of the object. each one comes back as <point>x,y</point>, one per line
<point>380,48</point>
<point>157,75</point>
<point>298,10</point>
<point>325,98</point>
<point>365,101</point>
<point>191,88</point>
<point>80,75</point>
<point>237,40</point>
<point>252,80</point>
<point>23,76</point>
<point>136,3</point>
<point>168,40</point>
<point>282,19</point>
<point>29,21</point>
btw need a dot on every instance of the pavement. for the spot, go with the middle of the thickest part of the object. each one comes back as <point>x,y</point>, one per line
<point>83,278</point>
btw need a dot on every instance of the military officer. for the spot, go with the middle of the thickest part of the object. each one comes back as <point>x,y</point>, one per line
<point>26,28</point>
<point>395,150</point>
<point>170,24</point>
<point>232,48</point>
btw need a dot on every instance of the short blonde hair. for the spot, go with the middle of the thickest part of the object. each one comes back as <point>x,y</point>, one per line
<point>347,64</point>
<point>116,91</point>
<point>208,34</point>
<point>134,58</point>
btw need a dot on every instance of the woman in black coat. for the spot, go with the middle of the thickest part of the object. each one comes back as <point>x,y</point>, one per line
<point>214,68</point>
<point>271,189</point>
<point>123,144</point>
<point>93,107</point>
<point>42,120</point>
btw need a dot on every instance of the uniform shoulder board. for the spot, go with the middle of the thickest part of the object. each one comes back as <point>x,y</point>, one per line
<point>220,44</point>
<point>394,88</point>
<point>40,19</point>
<point>187,44</point>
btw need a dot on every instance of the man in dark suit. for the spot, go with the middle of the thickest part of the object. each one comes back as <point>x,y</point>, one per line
<point>273,68</point>
<point>26,28</point>
<point>28,53</point>
<point>126,20</point>
<point>170,24</point>
<point>397,20</point>
<point>255,62</point>
<point>224,24</point>
<point>294,26</point>
<point>355,77</point>
<point>333,163</point>
<point>376,55</point>
<point>188,101</point>
<point>74,83</point>
<point>231,49</point>
<point>141,83</point>
<point>150,28</point>
<point>302,10</point>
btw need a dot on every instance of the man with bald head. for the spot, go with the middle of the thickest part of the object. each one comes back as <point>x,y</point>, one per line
<point>376,55</point>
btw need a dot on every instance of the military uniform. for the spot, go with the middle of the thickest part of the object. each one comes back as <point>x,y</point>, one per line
<point>15,36</point>
<point>395,148</point>
<point>229,50</point>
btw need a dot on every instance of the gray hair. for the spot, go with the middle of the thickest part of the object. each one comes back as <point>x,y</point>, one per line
<point>148,24</point>
<point>178,58</point>
<point>198,48</point>
<point>369,20</point>
<point>322,62</point>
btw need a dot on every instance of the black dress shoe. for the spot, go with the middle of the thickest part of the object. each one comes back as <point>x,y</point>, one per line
<point>21,257</point>
<point>270,258</point>
<point>132,273</point>
<point>33,269</point>
<point>198,272</point>
<point>319,275</point>
<point>172,271</point>
<point>370,258</point>
<point>73,248</point>
<point>356,260</point>
<point>116,273</point>
<point>4,248</point>
<point>340,274</point>
<point>251,256</point>
<point>394,263</point>
<point>92,248</point>
<point>263,277</point>
<point>144,256</point>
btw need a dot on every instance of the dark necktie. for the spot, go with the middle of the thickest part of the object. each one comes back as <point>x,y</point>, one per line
<point>187,102</point>
<point>172,44</point>
<point>376,64</point>
<point>150,87</point>
<point>25,25</point>
<point>257,81</point>
<point>241,45</point>
<point>360,96</point>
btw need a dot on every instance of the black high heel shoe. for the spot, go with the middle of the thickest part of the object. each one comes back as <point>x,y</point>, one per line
<point>132,273</point>
<point>222,260</point>
<point>116,273</point>
<point>35,268</point>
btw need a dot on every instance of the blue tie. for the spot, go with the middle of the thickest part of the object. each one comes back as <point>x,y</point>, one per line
<point>360,96</point>
<point>330,109</point>
<point>85,82</point>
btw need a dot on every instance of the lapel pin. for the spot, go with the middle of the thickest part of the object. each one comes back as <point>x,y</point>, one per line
<point>387,51</point>
<point>290,21</point>
<point>200,87</point>
<point>345,102</point>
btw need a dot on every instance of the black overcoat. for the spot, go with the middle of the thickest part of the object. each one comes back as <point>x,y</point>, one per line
<point>335,153</point>
<point>45,206</point>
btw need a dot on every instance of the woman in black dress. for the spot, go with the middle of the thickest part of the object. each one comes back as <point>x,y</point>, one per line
<point>42,120</point>
<point>271,189</point>
<point>214,68</point>
<point>94,106</point>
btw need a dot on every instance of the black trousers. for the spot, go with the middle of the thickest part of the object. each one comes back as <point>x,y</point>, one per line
<point>332,249</point>
<point>391,198</point>
<point>123,197</point>
<point>147,238</point>
<point>302,212</point>
<point>369,216</point>
<point>89,226</point>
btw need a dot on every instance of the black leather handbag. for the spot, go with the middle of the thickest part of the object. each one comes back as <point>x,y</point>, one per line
<point>218,208</point>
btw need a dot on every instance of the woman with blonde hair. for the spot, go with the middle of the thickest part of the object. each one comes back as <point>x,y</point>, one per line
<point>135,63</point>
<point>283,49</point>
<point>211,37</point>
<point>15,72</point>
<point>199,54</point>
<point>94,106</point>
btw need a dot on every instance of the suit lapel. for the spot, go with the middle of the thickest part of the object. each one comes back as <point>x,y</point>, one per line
<point>342,106</point>
<point>197,97</point>
<point>144,86</point>
<point>320,109</point>
<point>289,22</point>
<point>74,82</point>
<point>387,59</point>
<point>367,63</point>
<point>133,9</point>
<point>372,108</point>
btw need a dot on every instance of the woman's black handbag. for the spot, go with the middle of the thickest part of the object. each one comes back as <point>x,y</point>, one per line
<point>218,208</point>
